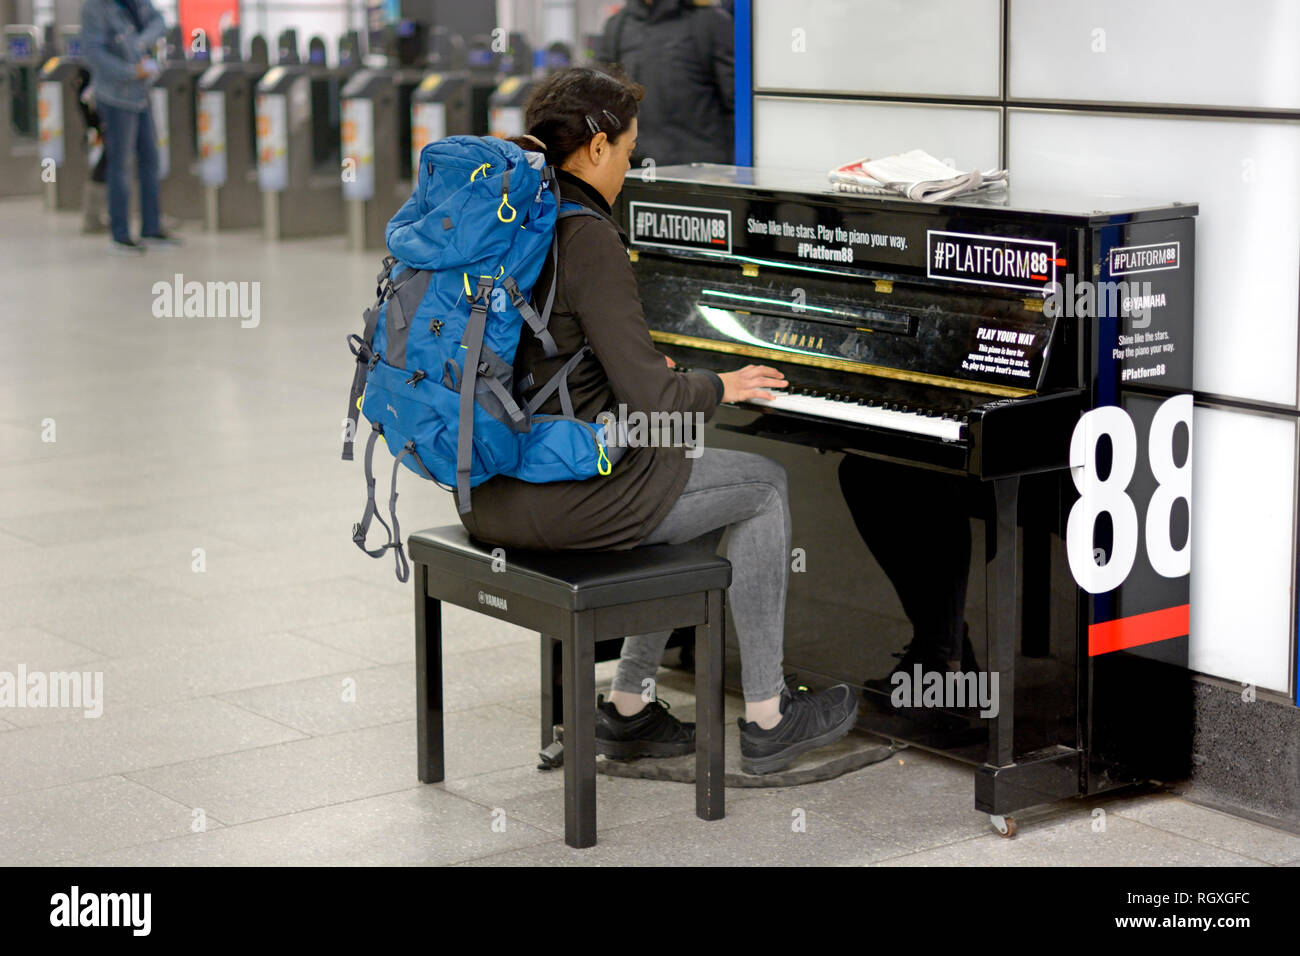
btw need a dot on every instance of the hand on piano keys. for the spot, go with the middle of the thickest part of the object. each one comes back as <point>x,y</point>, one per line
<point>751,382</point>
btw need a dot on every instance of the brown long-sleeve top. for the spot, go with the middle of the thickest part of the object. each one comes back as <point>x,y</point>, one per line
<point>596,300</point>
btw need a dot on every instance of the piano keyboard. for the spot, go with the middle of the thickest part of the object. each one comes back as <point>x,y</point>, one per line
<point>865,411</point>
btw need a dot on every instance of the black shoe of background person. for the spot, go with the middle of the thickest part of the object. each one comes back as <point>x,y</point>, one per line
<point>808,720</point>
<point>160,239</point>
<point>913,654</point>
<point>652,732</point>
<point>126,247</point>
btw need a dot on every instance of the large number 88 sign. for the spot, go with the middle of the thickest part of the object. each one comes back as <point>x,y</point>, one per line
<point>1110,495</point>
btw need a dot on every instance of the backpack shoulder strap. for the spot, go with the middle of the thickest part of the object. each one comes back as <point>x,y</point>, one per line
<point>569,209</point>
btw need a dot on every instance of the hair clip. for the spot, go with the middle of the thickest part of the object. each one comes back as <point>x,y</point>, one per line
<point>613,119</point>
<point>592,125</point>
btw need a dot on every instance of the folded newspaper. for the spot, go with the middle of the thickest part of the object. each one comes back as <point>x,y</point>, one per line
<point>914,174</point>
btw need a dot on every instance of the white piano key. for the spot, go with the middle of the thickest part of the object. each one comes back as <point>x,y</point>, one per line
<point>864,415</point>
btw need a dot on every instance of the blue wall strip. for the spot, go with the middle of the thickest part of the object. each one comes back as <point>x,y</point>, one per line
<point>744,82</point>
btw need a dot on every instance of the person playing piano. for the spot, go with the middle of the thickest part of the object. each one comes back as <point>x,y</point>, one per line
<point>923,544</point>
<point>585,121</point>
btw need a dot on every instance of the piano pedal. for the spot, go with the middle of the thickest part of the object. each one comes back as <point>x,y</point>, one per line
<point>552,755</point>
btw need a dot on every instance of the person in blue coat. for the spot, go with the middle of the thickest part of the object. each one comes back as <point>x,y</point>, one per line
<point>117,39</point>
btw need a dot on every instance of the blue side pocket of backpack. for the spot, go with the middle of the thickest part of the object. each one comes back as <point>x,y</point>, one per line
<point>421,412</point>
<point>561,449</point>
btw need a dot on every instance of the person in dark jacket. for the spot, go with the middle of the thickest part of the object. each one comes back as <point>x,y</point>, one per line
<point>683,53</point>
<point>117,38</point>
<point>585,122</point>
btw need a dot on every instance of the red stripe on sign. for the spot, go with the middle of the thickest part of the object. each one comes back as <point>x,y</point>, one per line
<point>1138,629</point>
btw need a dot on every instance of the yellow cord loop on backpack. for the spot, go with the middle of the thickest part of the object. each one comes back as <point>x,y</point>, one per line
<point>505,204</point>
<point>482,169</point>
<point>602,463</point>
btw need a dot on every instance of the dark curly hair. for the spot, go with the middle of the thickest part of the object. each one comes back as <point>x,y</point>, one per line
<point>571,106</point>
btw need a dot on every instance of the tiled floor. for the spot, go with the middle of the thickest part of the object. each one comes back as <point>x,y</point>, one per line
<point>259,710</point>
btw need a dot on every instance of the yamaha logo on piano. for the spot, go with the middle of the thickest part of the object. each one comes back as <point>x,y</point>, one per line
<point>691,228</point>
<point>798,340</point>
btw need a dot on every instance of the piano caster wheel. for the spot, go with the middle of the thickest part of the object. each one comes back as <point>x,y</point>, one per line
<point>1005,826</point>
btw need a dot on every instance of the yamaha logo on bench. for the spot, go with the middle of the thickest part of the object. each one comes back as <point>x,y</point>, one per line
<point>680,227</point>
<point>491,600</point>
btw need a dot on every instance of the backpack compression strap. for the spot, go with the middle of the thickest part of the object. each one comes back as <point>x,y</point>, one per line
<point>362,528</point>
<point>362,349</point>
<point>472,343</point>
<point>363,346</point>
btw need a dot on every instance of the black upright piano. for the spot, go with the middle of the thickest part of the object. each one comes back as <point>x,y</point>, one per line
<point>988,441</point>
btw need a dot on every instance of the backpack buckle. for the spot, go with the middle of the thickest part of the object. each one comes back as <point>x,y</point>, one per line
<point>484,290</point>
<point>512,290</point>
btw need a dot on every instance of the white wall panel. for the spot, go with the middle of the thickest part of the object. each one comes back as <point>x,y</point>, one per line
<point>1244,175</point>
<point>1242,577</point>
<point>822,134</point>
<point>1194,52</point>
<point>939,47</point>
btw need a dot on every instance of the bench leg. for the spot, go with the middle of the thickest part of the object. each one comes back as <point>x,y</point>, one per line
<point>580,731</point>
<point>552,688</point>
<point>710,788</point>
<point>428,679</point>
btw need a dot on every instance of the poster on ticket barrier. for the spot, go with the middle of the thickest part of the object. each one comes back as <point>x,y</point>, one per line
<point>272,143</point>
<point>212,138</point>
<point>49,111</point>
<point>358,149</point>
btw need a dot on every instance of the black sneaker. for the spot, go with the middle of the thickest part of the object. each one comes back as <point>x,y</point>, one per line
<point>126,247</point>
<point>912,654</point>
<point>808,720</point>
<point>653,732</point>
<point>160,239</point>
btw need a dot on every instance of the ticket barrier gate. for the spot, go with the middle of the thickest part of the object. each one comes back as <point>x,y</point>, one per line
<point>507,103</point>
<point>20,157</point>
<point>484,76</point>
<point>440,105</point>
<point>227,140</point>
<point>63,126</point>
<point>174,105</point>
<point>326,100</point>
<point>300,196</point>
<point>439,108</point>
<point>377,160</point>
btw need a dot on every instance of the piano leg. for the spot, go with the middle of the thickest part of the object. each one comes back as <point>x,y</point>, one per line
<point>1036,592</point>
<point>1003,784</point>
<point>1001,603</point>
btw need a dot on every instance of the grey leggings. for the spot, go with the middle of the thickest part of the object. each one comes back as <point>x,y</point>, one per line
<point>746,493</point>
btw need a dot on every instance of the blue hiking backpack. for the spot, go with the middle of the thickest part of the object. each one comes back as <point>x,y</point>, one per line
<point>435,363</point>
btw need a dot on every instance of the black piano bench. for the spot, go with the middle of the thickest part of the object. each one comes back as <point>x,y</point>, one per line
<point>575,598</point>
